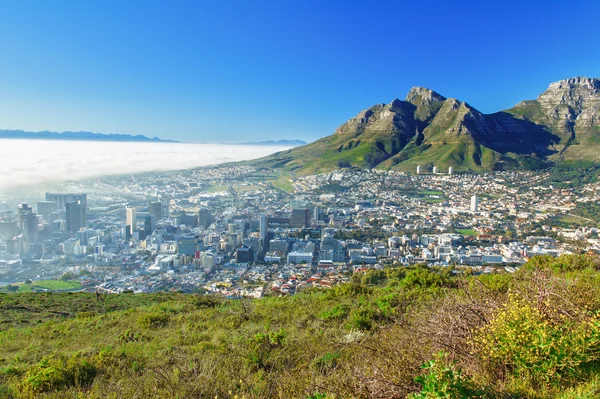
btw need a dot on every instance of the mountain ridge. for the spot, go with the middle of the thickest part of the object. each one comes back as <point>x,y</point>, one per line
<point>78,136</point>
<point>429,129</point>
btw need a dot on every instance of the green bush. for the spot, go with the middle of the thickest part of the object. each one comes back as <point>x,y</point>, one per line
<point>153,320</point>
<point>53,374</point>
<point>443,379</point>
<point>520,340</point>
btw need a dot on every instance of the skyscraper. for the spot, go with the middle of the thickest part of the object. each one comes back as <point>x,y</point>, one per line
<point>205,218</point>
<point>75,215</point>
<point>30,227</point>
<point>131,218</point>
<point>263,229</point>
<point>155,208</point>
<point>45,209</point>
<point>299,218</point>
<point>474,204</point>
<point>22,210</point>
<point>61,199</point>
<point>149,224</point>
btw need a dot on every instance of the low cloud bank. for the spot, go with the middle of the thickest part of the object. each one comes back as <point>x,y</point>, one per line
<point>30,162</point>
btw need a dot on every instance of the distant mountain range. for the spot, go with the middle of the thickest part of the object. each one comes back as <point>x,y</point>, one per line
<point>427,129</point>
<point>286,143</point>
<point>86,136</point>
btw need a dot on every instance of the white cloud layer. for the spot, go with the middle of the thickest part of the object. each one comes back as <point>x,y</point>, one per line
<point>30,162</point>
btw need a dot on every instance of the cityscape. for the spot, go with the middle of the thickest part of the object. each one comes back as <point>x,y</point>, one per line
<point>239,231</point>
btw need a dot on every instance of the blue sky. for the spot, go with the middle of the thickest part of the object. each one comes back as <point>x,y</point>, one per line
<point>230,71</point>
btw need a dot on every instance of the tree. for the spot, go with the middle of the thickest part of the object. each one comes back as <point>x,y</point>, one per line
<point>12,288</point>
<point>67,276</point>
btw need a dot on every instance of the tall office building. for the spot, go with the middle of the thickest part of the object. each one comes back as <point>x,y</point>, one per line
<point>205,218</point>
<point>61,200</point>
<point>75,215</point>
<point>8,229</point>
<point>317,214</point>
<point>45,209</point>
<point>299,218</point>
<point>131,218</point>
<point>149,224</point>
<point>474,204</point>
<point>22,210</point>
<point>30,227</point>
<point>83,236</point>
<point>263,229</point>
<point>155,208</point>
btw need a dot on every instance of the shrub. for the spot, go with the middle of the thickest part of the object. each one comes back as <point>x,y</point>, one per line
<point>338,312</point>
<point>444,380</point>
<point>327,362</point>
<point>153,320</point>
<point>521,341</point>
<point>54,374</point>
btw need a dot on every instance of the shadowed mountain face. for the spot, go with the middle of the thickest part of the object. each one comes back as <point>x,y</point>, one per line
<point>428,129</point>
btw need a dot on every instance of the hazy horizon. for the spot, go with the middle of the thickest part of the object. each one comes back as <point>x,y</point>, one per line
<point>27,162</point>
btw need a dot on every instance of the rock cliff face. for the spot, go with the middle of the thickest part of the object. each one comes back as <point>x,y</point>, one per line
<point>427,128</point>
<point>570,109</point>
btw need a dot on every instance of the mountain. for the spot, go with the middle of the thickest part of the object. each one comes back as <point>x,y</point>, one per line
<point>428,129</point>
<point>283,143</point>
<point>86,136</point>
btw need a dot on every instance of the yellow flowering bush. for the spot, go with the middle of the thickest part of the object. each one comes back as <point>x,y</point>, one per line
<point>521,342</point>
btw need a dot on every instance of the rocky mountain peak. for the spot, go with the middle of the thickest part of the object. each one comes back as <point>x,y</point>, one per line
<point>578,82</point>
<point>575,99</point>
<point>421,95</point>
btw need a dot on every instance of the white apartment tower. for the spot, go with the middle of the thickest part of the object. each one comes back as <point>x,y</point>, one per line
<point>474,204</point>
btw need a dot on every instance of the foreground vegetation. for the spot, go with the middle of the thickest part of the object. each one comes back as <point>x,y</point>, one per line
<point>406,332</point>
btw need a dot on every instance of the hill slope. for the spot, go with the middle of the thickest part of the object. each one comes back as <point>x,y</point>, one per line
<point>427,128</point>
<point>531,334</point>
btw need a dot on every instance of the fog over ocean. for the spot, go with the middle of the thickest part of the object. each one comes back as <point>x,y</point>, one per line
<point>30,162</point>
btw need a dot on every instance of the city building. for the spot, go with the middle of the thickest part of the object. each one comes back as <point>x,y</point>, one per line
<point>75,216</point>
<point>45,209</point>
<point>61,200</point>
<point>131,218</point>
<point>205,218</point>
<point>299,217</point>
<point>474,204</point>
<point>245,254</point>
<point>155,209</point>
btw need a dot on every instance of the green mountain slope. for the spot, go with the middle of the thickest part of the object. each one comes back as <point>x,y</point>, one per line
<point>531,334</point>
<point>428,129</point>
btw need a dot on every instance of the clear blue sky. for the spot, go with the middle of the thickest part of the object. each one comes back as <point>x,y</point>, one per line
<point>227,71</point>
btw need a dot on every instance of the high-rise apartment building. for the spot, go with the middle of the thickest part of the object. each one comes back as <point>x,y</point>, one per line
<point>474,204</point>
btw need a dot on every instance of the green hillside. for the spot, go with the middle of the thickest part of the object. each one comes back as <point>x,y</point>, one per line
<point>428,129</point>
<point>402,332</point>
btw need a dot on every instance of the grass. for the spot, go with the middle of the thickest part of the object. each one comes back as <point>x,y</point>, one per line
<point>367,338</point>
<point>283,182</point>
<point>50,285</point>
<point>467,232</point>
